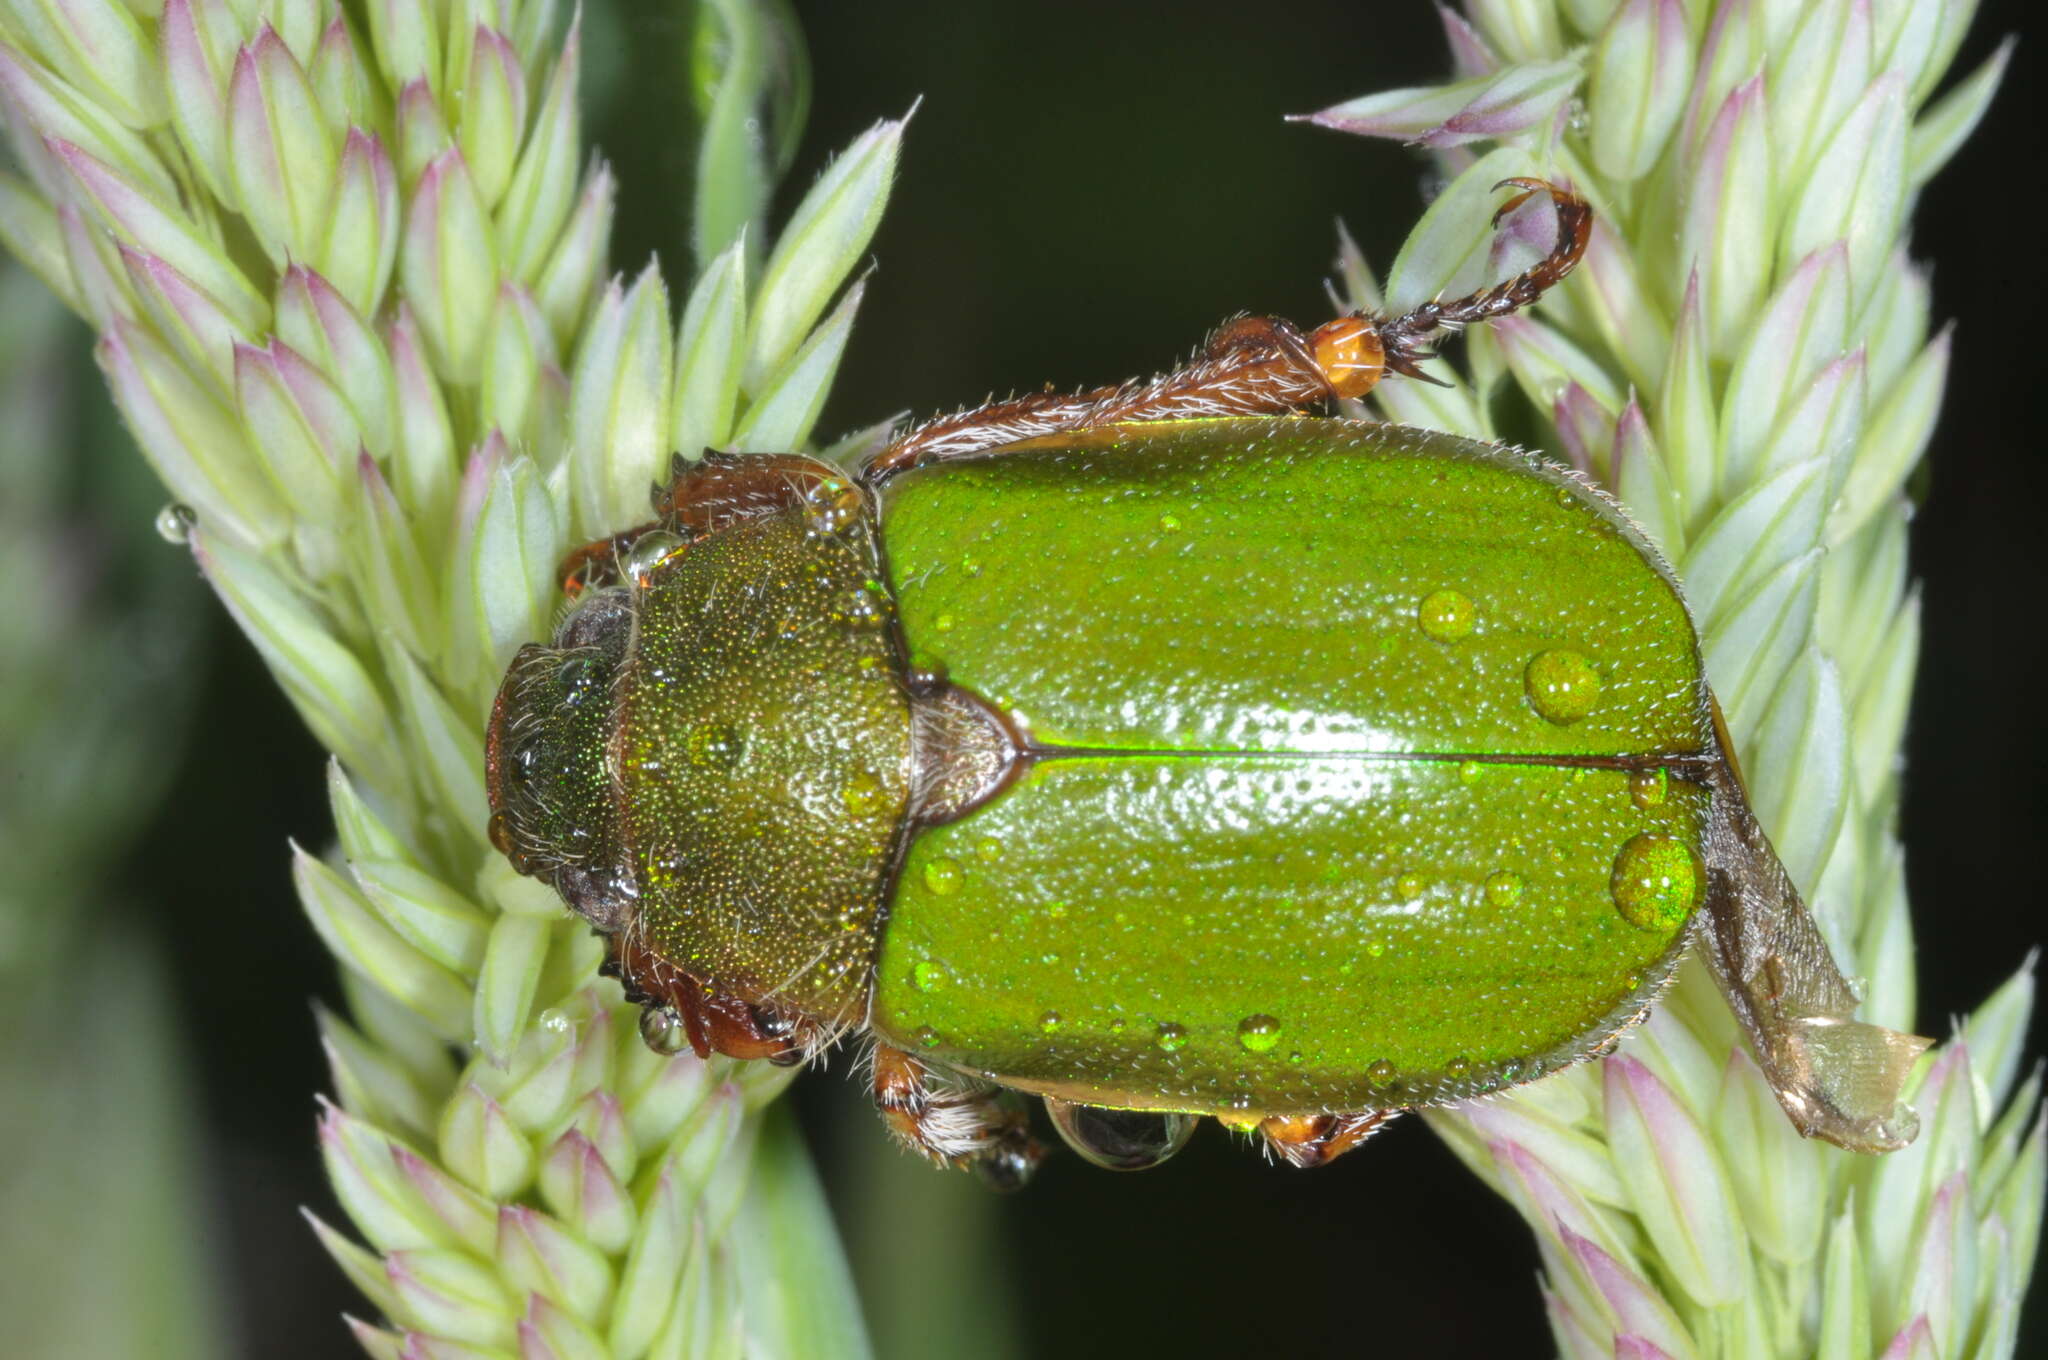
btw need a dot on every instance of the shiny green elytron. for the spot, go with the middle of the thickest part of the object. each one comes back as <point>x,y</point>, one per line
<point>1289,839</point>
<point>1165,759</point>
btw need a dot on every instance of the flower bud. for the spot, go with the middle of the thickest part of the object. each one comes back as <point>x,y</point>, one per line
<point>281,154</point>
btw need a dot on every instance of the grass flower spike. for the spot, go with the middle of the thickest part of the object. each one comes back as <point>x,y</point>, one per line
<point>349,269</point>
<point>1746,360</point>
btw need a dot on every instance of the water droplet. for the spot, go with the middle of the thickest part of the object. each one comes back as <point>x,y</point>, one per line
<point>1565,496</point>
<point>1049,958</point>
<point>1503,889</point>
<point>1657,881</point>
<point>1410,886</point>
<point>831,507</point>
<point>1116,1026</point>
<point>1460,1066</point>
<point>1120,1140</point>
<point>1295,1057</point>
<point>928,975</point>
<point>943,876</point>
<point>174,523</point>
<point>1446,615</point>
<point>1646,788</point>
<point>1380,1073</point>
<point>1258,1033</point>
<point>1056,910</point>
<point>648,552</point>
<point>863,795</point>
<point>971,565</point>
<point>926,1035</point>
<point>943,623</point>
<point>555,1021</point>
<point>661,1029</point>
<point>1562,685</point>
<point>1241,1101</point>
<point>988,849</point>
<point>1469,771</point>
<point>1169,524</point>
<point>1169,1037</point>
<point>1050,1022</point>
<point>1376,947</point>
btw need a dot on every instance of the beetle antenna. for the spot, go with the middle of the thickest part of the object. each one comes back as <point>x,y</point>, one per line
<point>1404,335</point>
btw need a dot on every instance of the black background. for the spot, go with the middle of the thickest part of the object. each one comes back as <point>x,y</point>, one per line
<point>1085,190</point>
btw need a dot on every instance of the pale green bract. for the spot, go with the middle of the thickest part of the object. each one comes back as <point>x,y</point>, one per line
<point>350,282</point>
<point>1744,359</point>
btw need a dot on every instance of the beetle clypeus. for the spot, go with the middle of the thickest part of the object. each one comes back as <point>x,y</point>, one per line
<point>1163,752</point>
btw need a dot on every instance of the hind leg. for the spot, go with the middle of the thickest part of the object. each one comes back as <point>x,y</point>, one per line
<point>1313,1139</point>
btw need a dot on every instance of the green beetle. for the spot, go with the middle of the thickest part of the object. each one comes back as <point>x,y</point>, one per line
<point>1163,752</point>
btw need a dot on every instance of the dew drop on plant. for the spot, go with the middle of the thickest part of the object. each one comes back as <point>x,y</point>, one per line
<point>174,523</point>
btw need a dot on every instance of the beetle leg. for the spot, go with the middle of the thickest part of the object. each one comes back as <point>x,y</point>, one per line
<point>1250,366</point>
<point>971,1130</point>
<point>1839,1079</point>
<point>1403,336</point>
<point>706,495</point>
<point>595,564</point>
<point>1313,1139</point>
<point>1253,365</point>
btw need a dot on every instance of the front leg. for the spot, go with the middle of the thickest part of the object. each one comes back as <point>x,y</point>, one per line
<point>1253,365</point>
<point>971,1130</point>
<point>704,496</point>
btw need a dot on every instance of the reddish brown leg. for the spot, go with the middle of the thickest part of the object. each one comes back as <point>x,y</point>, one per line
<point>1404,335</point>
<point>679,1011</point>
<point>706,495</point>
<point>1313,1139</point>
<point>1252,366</point>
<point>971,1130</point>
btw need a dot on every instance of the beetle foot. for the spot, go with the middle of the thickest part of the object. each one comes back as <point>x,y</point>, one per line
<point>975,1130</point>
<point>1313,1139</point>
<point>1840,1079</point>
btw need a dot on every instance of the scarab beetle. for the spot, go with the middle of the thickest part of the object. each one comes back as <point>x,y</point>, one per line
<point>1164,751</point>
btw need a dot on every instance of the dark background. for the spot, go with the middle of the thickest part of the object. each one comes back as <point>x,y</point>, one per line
<point>1085,190</point>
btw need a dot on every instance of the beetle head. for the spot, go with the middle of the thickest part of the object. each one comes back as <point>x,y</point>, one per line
<point>547,762</point>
